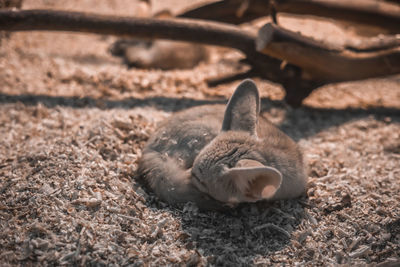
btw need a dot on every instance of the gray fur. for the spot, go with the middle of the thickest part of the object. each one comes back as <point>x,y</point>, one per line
<point>216,156</point>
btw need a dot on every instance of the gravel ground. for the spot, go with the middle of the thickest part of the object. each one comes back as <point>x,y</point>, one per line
<point>73,121</point>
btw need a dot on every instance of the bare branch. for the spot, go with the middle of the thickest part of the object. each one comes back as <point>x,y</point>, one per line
<point>197,31</point>
<point>321,62</point>
<point>205,32</point>
<point>369,12</point>
<point>329,64</point>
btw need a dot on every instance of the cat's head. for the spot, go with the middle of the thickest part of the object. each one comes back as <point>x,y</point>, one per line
<point>229,168</point>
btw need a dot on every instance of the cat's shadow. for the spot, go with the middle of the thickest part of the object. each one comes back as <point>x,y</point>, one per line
<point>240,236</point>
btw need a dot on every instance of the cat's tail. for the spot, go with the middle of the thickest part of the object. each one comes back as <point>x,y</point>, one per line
<point>171,183</point>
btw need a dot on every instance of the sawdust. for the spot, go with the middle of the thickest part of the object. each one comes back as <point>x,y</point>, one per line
<point>73,121</point>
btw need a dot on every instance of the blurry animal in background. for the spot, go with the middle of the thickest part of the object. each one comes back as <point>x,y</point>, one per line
<point>217,156</point>
<point>159,54</point>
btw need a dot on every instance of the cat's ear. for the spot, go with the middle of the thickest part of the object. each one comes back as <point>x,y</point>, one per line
<point>254,181</point>
<point>243,108</point>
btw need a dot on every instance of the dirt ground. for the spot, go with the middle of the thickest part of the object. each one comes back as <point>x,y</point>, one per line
<point>73,121</point>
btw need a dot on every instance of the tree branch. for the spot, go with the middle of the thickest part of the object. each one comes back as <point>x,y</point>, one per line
<point>190,30</point>
<point>324,63</point>
<point>370,12</point>
<point>212,33</point>
<point>205,32</point>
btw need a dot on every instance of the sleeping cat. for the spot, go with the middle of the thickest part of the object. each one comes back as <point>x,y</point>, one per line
<point>217,156</point>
